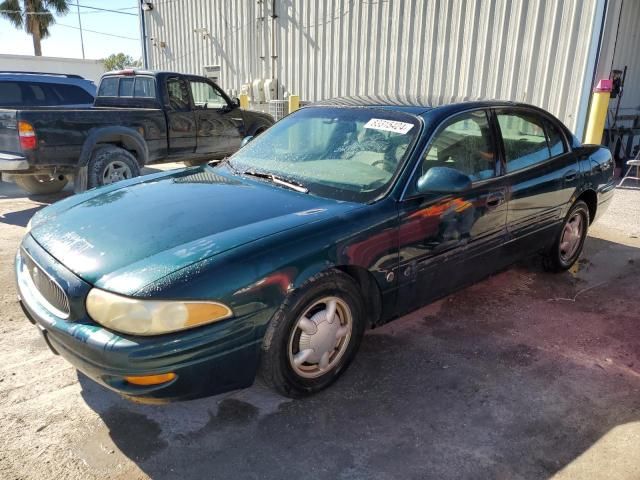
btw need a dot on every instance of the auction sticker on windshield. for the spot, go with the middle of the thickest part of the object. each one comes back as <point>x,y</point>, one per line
<point>389,125</point>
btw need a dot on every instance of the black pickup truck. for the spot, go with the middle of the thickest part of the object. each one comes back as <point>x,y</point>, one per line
<point>138,118</point>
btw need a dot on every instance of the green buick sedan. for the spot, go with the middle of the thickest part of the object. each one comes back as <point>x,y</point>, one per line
<point>273,262</point>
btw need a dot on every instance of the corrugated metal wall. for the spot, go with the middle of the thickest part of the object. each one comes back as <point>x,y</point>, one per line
<point>534,51</point>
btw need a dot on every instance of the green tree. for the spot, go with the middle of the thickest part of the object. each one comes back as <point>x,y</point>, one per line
<point>118,61</point>
<point>35,16</point>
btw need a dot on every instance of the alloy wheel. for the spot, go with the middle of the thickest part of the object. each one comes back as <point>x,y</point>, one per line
<point>116,171</point>
<point>320,337</point>
<point>571,237</point>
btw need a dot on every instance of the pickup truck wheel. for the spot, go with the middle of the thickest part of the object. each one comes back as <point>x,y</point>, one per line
<point>313,336</point>
<point>195,163</point>
<point>40,184</point>
<point>111,164</point>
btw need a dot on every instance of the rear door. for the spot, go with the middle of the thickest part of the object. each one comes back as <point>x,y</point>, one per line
<point>181,120</point>
<point>542,174</point>
<point>450,240</point>
<point>219,123</point>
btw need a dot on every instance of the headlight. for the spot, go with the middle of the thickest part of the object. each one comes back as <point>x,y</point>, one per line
<point>151,317</point>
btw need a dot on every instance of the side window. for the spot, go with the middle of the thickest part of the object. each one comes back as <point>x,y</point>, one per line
<point>145,87</point>
<point>525,142</point>
<point>554,137</point>
<point>34,95</point>
<point>464,144</point>
<point>178,94</point>
<point>205,96</point>
<point>10,94</point>
<point>108,87</point>
<point>72,95</point>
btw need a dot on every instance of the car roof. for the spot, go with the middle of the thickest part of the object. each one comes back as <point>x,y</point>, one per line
<point>415,104</point>
<point>44,78</point>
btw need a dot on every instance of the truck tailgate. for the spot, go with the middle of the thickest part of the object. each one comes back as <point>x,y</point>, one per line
<point>9,141</point>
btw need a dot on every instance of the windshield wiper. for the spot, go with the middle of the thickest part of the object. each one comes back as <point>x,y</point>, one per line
<point>224,161</point>
<point>293,185</point>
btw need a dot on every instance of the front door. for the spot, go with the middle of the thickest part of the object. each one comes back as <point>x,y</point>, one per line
<point>181,123</point>
<point>542,173</point>
<point>450,240</point>
<point>220,124</point>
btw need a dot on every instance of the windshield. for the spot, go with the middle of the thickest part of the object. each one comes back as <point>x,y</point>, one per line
<point>348,154</point>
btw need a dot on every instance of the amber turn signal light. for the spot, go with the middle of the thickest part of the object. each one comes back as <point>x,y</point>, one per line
<point>27,136</point>
<point>146,380</point>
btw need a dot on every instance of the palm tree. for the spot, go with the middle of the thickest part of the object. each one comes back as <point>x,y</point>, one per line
<point>35,16</point>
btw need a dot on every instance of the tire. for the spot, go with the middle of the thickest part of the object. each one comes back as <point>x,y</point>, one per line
<point>195,163</point>
<point>283,342</point>
<point>40,184</point>
<point>109,164</point>
<point>567,247</point>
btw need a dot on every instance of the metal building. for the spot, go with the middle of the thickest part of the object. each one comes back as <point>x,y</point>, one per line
<point>544,52</point>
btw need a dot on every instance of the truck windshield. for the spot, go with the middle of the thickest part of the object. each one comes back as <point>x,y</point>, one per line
<point>348,154</point>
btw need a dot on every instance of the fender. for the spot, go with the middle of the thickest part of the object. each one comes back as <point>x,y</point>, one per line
<point>130,138</point>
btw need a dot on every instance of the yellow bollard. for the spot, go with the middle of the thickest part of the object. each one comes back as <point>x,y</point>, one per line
<point>294,103</point>
<point>244,101</point>
<point>598,112</point>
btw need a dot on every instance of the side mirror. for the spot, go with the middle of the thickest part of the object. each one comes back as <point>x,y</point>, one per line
<point>443,180</point>
<point>246,140</point>
<point>235,102</point>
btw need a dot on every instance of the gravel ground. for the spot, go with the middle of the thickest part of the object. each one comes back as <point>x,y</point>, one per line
<point>526,375</point>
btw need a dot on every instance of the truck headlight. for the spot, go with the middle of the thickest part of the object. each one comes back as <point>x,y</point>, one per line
<point>151,317</point>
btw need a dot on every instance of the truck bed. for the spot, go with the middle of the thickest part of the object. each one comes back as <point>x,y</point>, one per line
<point>61,132</point>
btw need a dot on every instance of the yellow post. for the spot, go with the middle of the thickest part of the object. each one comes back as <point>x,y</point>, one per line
<point>598,112</point>
<point>294,103</point>
<point>244,101</point>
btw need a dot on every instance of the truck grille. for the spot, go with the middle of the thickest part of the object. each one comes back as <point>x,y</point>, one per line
<point>55,299</point>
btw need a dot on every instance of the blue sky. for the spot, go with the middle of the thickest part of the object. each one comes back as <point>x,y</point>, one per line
<point>65,36</point>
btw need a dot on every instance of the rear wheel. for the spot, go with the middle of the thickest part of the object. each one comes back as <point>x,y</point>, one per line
<point>110,164</point>
<point>314,336</point>
<point>40,184</point>
<point>195,163</point>
<point>566,250</point>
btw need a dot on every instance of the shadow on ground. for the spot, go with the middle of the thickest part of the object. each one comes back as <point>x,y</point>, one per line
<point>515,377</point>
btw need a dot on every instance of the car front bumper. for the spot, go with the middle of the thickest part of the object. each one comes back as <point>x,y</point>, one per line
<point>206,361</point>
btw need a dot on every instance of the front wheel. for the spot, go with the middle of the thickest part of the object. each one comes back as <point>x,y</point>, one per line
<point>567,248</point>
<point>313,336</point>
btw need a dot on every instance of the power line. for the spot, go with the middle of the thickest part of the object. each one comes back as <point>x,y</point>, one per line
<point>99,10</point>
<point>106,9</point>
<point>95,31</point>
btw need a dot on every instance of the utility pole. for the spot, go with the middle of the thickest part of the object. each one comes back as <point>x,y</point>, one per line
<point>80,24</point>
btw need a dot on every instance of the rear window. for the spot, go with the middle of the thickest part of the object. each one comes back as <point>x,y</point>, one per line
<point>125,88</point>
<point>145,87</point>
<point>108,87</point>
<point>138,87</point>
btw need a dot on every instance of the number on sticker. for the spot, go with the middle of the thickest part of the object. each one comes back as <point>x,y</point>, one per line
<point>389,125</point>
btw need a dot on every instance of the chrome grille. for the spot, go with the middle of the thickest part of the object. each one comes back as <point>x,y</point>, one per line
<point>52,294</point>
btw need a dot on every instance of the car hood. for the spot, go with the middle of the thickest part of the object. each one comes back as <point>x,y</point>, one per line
<point>122,238</point>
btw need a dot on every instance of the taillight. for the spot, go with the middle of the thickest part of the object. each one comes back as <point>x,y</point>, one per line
<point>27,135</point>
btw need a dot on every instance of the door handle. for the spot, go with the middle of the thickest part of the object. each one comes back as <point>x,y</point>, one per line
<point>495,199</point>
<point>570,176</point>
